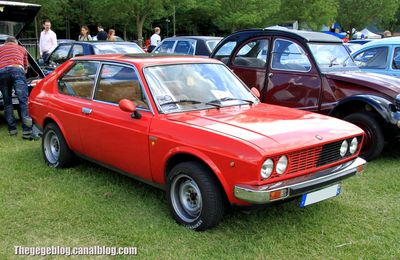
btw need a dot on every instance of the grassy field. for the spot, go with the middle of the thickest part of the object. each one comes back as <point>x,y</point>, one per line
<point>88,205</point>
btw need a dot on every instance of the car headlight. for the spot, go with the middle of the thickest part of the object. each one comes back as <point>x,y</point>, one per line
<point>282,164</point>
<point>353,145</point>
<point>267,168</point>
<point>343,148</point>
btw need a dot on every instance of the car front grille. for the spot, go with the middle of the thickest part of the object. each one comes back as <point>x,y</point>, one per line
<point>318,156</point>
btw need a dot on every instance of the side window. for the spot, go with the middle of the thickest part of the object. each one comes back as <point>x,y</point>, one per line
<point>374,58</point>
<point>119,82</point>
<point>77,50</point>
<point>79,80</point>
<point>60,55</point>
<point>253,54</point>
<point>165,47</point>
<point>396,59</point>
<point>288,55</point>
<point>225,51</point>
<point>185,47</point>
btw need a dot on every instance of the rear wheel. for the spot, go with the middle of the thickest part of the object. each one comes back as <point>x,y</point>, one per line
<point>55,150</point>
<point>374,139</point>
<point>194,196</point>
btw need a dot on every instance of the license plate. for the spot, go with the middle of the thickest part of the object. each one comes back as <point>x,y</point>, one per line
<point>320,195</point>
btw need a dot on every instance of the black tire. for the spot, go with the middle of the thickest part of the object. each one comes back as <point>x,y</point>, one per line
<point>374,140</point>
<point>55,150</point>
<point>198,182</point>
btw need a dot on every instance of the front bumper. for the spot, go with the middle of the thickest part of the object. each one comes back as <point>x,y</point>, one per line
<point>299,185</point>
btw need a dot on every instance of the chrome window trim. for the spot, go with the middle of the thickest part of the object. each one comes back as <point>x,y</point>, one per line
<point>305,54</point>
<point>102,63</point>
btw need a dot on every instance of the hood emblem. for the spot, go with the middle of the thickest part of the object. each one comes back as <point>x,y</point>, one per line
<point>319,137</point>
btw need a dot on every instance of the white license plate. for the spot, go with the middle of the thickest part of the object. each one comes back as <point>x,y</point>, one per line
<point>320,195</point>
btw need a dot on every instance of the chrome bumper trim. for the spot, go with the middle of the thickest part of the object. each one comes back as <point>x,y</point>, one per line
<point>299,185</point>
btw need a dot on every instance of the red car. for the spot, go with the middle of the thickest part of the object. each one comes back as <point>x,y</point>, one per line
<point>191,127</point>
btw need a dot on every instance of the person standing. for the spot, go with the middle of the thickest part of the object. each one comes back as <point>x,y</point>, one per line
<point>48,40</point>
<point>101,35</point>
<point>111,35</point>
<point>155,39</point>
<point>85,34</point>
<point>13,66</point>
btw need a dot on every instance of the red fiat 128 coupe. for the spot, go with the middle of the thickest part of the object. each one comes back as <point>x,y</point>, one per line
<point>190,126</point>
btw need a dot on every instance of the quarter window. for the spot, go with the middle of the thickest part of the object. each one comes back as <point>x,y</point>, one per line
<point>79,80</point>
<point>374,58</point>
<point>253,54</point>
<point>117,83</point>
<point>288,55</point>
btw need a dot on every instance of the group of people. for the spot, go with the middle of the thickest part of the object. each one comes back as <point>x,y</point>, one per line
<point>101,34</point>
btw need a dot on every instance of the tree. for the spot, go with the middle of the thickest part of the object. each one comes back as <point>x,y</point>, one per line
<point>361,13</point>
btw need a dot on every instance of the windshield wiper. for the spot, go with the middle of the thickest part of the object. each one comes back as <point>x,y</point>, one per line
<point>229,99</point>
<point>191,101</point>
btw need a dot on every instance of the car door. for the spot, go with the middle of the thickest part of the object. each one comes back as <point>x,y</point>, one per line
<point>249,62</point>
<point>374,59</point>
<point>292,80</point>
<point>75,88</point>
<point>110,135</point>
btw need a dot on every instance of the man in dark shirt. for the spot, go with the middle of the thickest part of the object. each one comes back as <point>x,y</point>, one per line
<point>101,35</point>
<point>13,66</point>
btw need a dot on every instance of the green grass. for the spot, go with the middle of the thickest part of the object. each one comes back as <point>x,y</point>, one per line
<point>88,205</point>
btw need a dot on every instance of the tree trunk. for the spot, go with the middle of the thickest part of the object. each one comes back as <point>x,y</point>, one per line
<point>139,28</point>
<point>124,32</point>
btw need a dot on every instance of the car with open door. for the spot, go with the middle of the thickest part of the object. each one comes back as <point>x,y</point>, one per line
<point>14,18</point>
<point>313,71</point>
<point>189,126</point>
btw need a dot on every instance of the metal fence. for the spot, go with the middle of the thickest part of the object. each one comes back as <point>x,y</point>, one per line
<point>32,46</point>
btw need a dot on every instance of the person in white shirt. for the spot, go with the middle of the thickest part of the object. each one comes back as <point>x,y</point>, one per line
<point>155,39</point>
<point>48,40</point>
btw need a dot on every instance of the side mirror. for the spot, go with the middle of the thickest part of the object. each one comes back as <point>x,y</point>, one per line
<point>128,106</point>
<point>255,92</point>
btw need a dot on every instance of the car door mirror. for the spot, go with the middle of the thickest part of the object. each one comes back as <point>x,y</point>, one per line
<point>130,107</point>
<point>255,92</point>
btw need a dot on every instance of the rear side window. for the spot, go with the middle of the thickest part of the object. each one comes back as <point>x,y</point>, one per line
<point>120,82</point>
<point>290,56</point>
<point>185,47</point>
<point>253,54</point>
<point>60,55</point>
<point>79,80</point>
<point>374,58</point>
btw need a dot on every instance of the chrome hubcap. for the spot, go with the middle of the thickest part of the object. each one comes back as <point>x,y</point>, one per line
<point>51,147</point>
<point>186,198</point>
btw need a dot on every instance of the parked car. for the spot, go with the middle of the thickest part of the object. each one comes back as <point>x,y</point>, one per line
<point>352,47</point>
<point>379,56</point>
<point>313,71</point>
<point>65,51</point>
<point>190,126</point>
<point>14,17</point>
<point>188,45</point>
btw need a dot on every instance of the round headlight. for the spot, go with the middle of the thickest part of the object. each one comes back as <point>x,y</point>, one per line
<point>343,148</point>
<point>281,166</point>
<point>353,145</point>
<point>267,168</point>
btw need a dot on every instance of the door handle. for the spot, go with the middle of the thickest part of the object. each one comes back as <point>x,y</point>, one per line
<point>86,111</point>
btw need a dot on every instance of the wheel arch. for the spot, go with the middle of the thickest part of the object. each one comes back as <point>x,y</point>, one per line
<point>52,119</point>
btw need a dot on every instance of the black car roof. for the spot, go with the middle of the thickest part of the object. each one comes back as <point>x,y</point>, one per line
<point>305,35</point>
<point>194,37</point>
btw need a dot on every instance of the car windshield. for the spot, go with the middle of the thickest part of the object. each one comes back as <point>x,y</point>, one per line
<point>332,57</point>
<point>186,87</point>
<point>117,48</point>
<point>211,44</point>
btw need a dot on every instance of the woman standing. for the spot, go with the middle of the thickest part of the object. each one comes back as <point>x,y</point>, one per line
<point>111,35</point>
<point>85,34</point>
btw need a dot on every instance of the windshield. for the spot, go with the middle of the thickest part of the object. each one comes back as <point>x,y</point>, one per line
<point>11,28</point>
<point>211,44</point>
<point>332,57</point>
<point>185,87</point>
<point>117,48</point>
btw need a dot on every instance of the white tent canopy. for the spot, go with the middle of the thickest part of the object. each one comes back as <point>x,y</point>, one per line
<point>367,34</point>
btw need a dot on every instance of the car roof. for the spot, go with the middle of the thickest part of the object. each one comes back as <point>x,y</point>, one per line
<point>384,41</point>
<point>206,38</point>
<point>148,59</point>
<point>307,36</point>
<point>96,42</point>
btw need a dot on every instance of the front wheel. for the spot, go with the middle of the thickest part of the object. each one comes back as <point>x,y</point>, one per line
<point>374,140</point>
<point>194,196</point>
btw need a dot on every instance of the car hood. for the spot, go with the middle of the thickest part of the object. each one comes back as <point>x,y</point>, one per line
<point>385,84</point>
<point>16,16</point>
<point>271,128</point>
